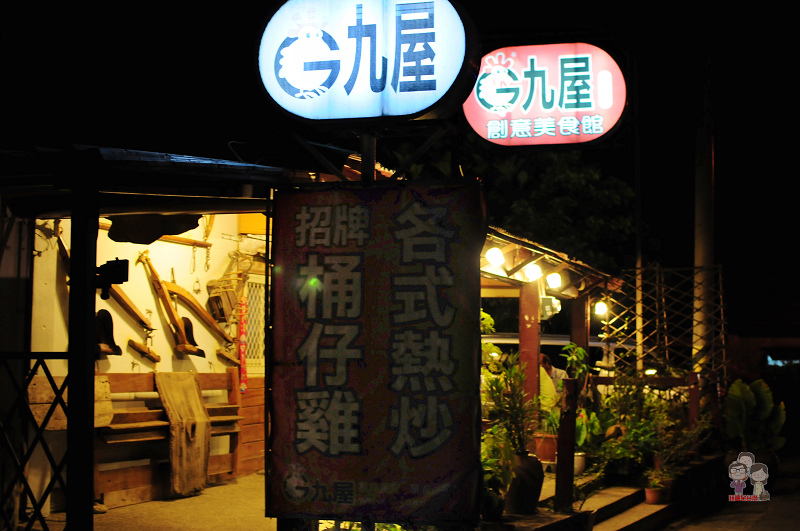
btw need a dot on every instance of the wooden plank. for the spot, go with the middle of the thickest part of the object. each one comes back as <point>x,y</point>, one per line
<point>253,415</point>
<point>131,477</point>
<point>222,410</point>
<point>103,408</point>
<point>131,415</point>
<point>252,433</point>
<point>255,382</point>
<point>58,420</point>
<point>135,437</point>
<point>254,397</point>
<point>226,429</point>
<point>131,382</point>
<point>144,425</point>
<point>121,498</point>
<point>219,464</point>
<point>223,419</point>
<point>41,395</point>
<point>40,391</point>
<point>251,450</point>
<point>136,426</point>
<point>251,466</point>
<point>234,393</point>
<point>214,380</point>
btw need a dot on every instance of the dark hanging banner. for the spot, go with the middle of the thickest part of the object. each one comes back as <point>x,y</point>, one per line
<point>375,377</point>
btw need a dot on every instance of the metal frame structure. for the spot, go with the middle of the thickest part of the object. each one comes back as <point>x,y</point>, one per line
<point>84,184</point>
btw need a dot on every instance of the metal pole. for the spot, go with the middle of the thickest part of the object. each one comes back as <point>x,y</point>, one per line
<point>80,365</point>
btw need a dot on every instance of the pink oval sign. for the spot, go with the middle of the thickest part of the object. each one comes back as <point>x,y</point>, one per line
<point>546,94</point>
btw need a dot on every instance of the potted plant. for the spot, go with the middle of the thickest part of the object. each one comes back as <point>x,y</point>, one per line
<point>658,484</point>
<point>497,461</point>
<point>577,365</point>
<point>509,407</point>
<point>546,439</point>
<point>587,427</point>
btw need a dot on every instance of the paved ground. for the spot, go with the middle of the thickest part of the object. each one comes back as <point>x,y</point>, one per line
<point>241,506</point>
<point>232,507</point>
<point>781,512</point>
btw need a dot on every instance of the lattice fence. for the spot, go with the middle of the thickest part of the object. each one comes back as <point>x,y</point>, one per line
<point>670,320</point>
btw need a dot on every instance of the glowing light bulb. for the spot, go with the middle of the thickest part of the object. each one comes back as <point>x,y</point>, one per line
<point>533,272</point>
<point>495,257</point>
<point>600,308</point>
<point>554,280</point>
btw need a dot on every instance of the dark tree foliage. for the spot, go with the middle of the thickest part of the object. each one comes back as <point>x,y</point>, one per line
<point>558,200</point>
<point>553,197</point>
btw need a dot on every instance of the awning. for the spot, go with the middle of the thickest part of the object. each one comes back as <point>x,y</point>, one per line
<point>520,261</point>
<point>36,182</point>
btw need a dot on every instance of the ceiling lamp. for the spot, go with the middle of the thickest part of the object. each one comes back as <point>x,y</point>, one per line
<point>553,280</point>
<point>533,272</point>
<point>495,257</point>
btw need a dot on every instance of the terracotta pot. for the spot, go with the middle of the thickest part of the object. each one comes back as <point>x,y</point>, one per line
<point>546,446</point>
<point>526,487</point>
<point>656,496</point>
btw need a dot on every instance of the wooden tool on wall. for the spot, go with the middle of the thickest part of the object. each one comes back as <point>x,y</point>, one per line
<point>185,296</point>
<point>142,348</point>
<point>125,303</point>
<point>181,327</point>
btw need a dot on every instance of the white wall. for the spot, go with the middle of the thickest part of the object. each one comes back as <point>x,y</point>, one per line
<point>173,262</point>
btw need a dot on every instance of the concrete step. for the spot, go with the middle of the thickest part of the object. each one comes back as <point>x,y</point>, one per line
<point>609,502</point>
<point>640,517</point>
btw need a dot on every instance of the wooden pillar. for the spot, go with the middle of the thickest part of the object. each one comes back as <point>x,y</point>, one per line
<point>579,329</point>
<point>565,466</point>
<point>694,398</point>
<point>80,365</point>
<point>529,331</point>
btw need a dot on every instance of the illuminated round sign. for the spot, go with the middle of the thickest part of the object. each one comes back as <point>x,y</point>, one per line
<point>546,94</point>
<point>326,60</point>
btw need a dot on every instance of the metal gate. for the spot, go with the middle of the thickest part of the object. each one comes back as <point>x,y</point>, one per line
<point>22,434</point>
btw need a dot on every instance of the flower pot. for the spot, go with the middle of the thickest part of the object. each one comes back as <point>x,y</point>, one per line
<point>580,463</point>
<point>656,496</point>
<point>523,493</point>
<point>546,446</point>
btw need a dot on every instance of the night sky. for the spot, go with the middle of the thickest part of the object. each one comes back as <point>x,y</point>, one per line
<point>184,81</point>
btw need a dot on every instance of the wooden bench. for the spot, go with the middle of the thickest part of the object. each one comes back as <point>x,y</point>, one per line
<point>143,431</point>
